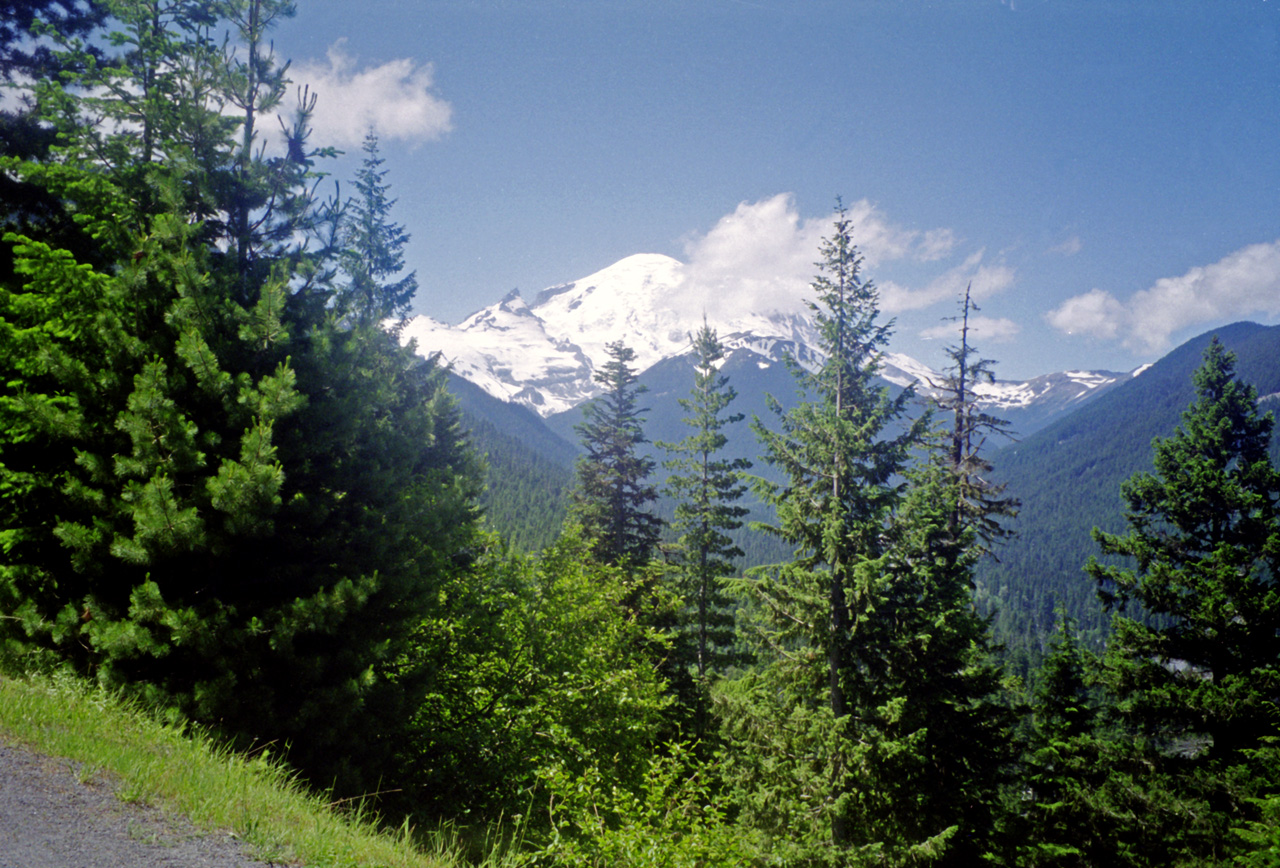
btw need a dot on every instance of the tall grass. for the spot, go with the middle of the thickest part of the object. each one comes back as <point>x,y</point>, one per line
<point>252,797</point>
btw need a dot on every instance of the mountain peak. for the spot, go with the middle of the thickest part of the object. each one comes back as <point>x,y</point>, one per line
<point>544,354</point>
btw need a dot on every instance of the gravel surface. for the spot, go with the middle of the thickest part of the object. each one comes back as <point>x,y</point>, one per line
<point>54,814</point>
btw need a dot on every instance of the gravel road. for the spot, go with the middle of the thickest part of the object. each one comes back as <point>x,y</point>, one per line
<point>52,815</point>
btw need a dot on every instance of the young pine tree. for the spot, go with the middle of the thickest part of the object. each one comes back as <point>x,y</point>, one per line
<point>612,496</point>
<point>1194,659</point>
<point>373,248</point>
<point>707,488</point>
<point>1062,815</point>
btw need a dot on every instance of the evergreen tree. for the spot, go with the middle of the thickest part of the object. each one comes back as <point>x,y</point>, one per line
<point>22,53</point>
<point>1204,530</point>
<point>216,494</point>
<point>942,661</point>
<point>1056,818</point>
<point>876,731</point>
<point>1194,659</point>
<point>981,503</point>
<point>613,492</point>
<point>373,247</point>
<point>707,488</point>
<point>25,56</point>
<point>798,727</point>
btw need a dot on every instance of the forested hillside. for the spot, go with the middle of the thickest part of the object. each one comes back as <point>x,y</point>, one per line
<point>528,468</point>
<point>1068,478</point>
<point>230,494</point>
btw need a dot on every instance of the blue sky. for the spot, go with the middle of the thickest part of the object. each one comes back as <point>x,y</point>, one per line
<point>1106,174</point>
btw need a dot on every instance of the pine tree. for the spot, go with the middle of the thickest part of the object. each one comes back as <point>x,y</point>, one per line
<point>796,726</point>
<point>1056,820</point>
<point>877,730</point>
<point>1204,530</point>
<point>612,494</point>
<point>707,488</point>
<point>1193,663</point>
<point>24,56</point>
<point>373,247</point>
<point>223,499</point>
<point>981,503</point>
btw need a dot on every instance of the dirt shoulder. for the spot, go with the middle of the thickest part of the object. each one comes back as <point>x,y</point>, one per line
<point>55,813</point>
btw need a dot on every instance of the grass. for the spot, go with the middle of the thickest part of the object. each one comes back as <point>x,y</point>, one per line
<point>253,798</point>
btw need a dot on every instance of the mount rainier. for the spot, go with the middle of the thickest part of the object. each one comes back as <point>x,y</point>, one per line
<point>542,354</point>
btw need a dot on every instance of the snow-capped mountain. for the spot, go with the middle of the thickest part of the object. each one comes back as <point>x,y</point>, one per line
<point>543,354</point>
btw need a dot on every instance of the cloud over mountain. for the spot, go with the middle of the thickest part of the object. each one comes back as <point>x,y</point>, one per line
<point>761,258</point>
<point>1244,283</point>
<point>985,279</point>
<point>396,99</point>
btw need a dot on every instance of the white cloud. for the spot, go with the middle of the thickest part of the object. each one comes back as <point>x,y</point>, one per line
<point>980,328</point>
<point>758,258</point>
<point>762,256</point>
<point>986,281</point>
<point>1070,247</point>
<point>395,99</point>
<point>1243,283</point>
<point>936,244</point>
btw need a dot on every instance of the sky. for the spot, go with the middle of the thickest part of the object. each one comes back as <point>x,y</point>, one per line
<point>1106,175</point>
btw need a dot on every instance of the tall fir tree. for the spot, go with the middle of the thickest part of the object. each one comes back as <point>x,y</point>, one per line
<point>793,725</point>
<point>373,247</point>
<point>1204,531</point>
<point>875,731</point>
<point>707,488</point>
<point>981,503</point>
<point>942,663</point>
<point>612,496</point>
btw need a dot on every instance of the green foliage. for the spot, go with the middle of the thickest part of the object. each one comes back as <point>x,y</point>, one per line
<point>612,494</point>
<point>1260,835</point>
<point>540,672</point>
<point>1068,479</point>
<point>675,819</point>
<point>526,495</point>
<point>217,493</point>
<point>1205,535</point>
<point>372,248</point>
<point>874,729</point>
<point>1161,773</point>
<point>833,509</point>
<point>707,487</point>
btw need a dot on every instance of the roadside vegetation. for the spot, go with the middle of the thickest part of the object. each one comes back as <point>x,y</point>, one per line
<point>252,796</point>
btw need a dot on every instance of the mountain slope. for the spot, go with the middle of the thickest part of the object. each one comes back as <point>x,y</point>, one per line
<point>529,468</point>
<point>1068,478</point>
